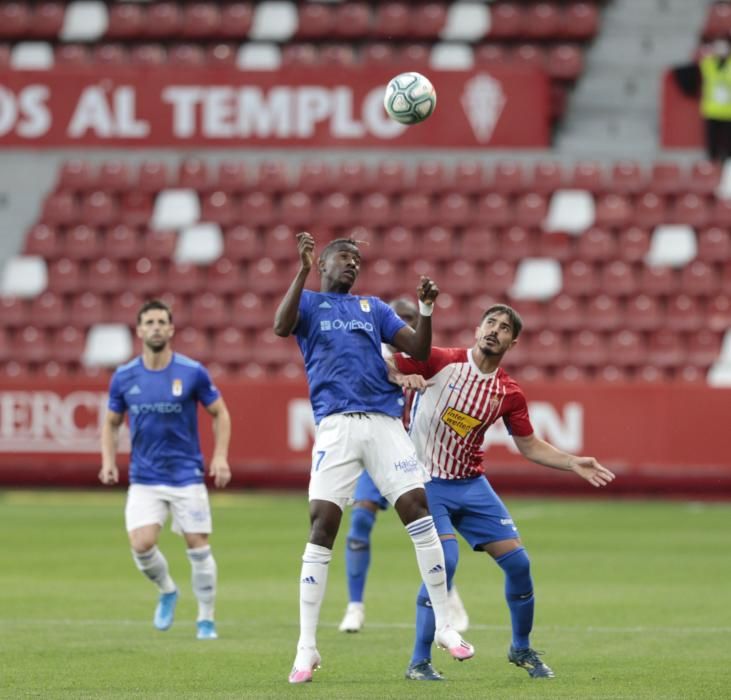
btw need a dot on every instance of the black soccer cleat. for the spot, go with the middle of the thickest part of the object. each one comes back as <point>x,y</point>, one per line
<point>530,660</point>
<point>423,671</point>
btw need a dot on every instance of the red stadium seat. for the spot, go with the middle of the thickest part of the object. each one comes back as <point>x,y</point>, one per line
<point>587,175</point>
<point>619,279</point>
<point>75,175</point>
<point>296,209</point>
<point>110,55</point>
<point>145,277</point>
<point>42,240</point>
<point>242,244</point>
<point>479,243</point>
<point>99,208</point>
<point>428,20</point>
<point>339,55</point>
<point>48,18</point>
<point>236,19</point>
<point>517,243</point>
<point>547,349</point>
<point>193,174</point>
<point>352,176</point>
<point>159,245</point>
<point>15,20</point>
<point>60,208</point>
<point>506,21</point>
<point>658,281</point>
<point>315,177</point>
<point>201,20</point>
<point>496,278</point>
<point>718,313</point>
<point>649,211</point>
<point>49,310</point>
<point>219,208</point>
<point>461,278</point>
<point>721,213</point>
<point>88,309</point>
<point>603,313</point>
<point>231,176</point>
<point>193,342</point>
<point>699,278</point>
<point>580,279</point>
<point>587,349</point>
<point>280,243</point>
<point>114,176</point>
<point>690,209</point>
<point>265,277</point>
<point>493,209</point>
<point>450,318</point>
<point>82,242</point>
<point>541,20</point>
<point>375,210</point>
<point>643,313</point>
<point>613,211</point>
<point>230,346</point>
<point>666,178</point>
<point>126,21</point>
<point>703,178</point>
<point>379,278</point>
<point>666,349</point>
<point>580,21</point>
<point>627,177</point>
<point>468,177</point>
<point>596,245</point>
<point>152,176</point>
<point>272,176</point>
<point>32,344</point>
<point>250,312</point>
<point>564,313</point>
<point>179,306</point>
<point>547,177</point>
<point>184,278</point>
<point>224,277</point>
<point>315,21</point>
<point>68,344</point>
<point>336,210</point>
<point>430,177</point>
<point>684,314</point>
<point>208,310</point>
<point>564,62</point>
<point>490,54</point>
<point>437,243</point>
<point>391,176</point>
<point>530,55</point>
<point>415,209</point>
<point>300,55</point>
<point>530,210</point>
<point>627,349</point>
<point>257,209</point>
<point>399,243</point>
<point>392,20</point>
<point>352,20</point>
<point>65,276</point>
<point>13,311</point>
<point>454,210</point>
<point>633,244</point>
<point>163,20</point>
<point>123,308</point>
<point>269,349</point>
<point>148,55</point>
<point>703,348</point>
<point>508,177</point>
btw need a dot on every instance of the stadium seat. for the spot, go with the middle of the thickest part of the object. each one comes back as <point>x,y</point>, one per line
<point>658,281</point>
<point>231,176</point>
<point>505,20</point>
<point>430,177</point>
<point>65,276</point>
<point>13,311</point>
<point>75,175</point>
<point>126,21</point>
<point>269,349</point>
<point>159,245</point>
<point>613,210</point>
<point>454,210</point>
<point>478,243</point>
<point>603,313</point>
<point>107,345</point>
<point>145,277</point>
<point>219,208</point>
<point>42,240</point>
<point>315,177</point>
<point>375,210</point>
<point>633,243</point>
<point>123,308</point>
<point>704,178</point>
<point>250,311</point>
<point>114,176</point>
<point>618,278</point>
<point>339,55</point>
<point>718,312</point>
<point>242,244</point>
<point>391,176</point>
<point>428,20</point>
<point>378,278</point>
<point>690,210</point>
<point>81,242</point>
<point>587,349</point>
<point>643,313</point>
<point>671,246</point>
<point>565,313</point>
<point>570,211</point>
<point>209,311</point>
<point>721,213</point>
<point>201,20</point>
<point>494,278</point>
<point>564,62</point>
<point>493,209</point>
<point>437,243</point>
<point>415,209</point>
<point>230,346</point>
<point>626,349</point>
<point>24,276</point>
<point>135,208</point>
<point>315,21</point>
<point>580,21</point>
<point>152,176</point>
<point>179,306</point>
<point>699,278</point>
<point>536,278</point>
<point>666,349</point>
<point>110,55</point>
<point>280,243</point>
<point>224,277</point>
<point>508,177</point>
<point>87,309</point>
<point>703,348</point>
<point>461,278</point>
<point>68,344</point>
<point>336,210</point>
<point>649,211</point>
<point>236,19</point>
<point>596,245</point>
<point>547,349</point>
<point>530,210</point>
<point>586,175</point>
<point>580,279</point>
<point>184,278</point>
<point>193,175</point>
<point>265,277</point>
<point>193,342</point>
<point>99,208</point>
<point>666,178</point>
<point>148,55</point>
<point>468,177</point>
<point>60,208</point>
<point>627,177</point>
<point>684,313</point>
<point>49,310</point>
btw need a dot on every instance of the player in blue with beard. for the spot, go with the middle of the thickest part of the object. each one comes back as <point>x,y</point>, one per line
<point>161,390</point>
<point>358,415</point>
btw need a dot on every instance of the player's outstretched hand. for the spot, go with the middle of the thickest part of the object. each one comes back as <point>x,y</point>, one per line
<point>588,468</point>
<point>220,471</point>
<point>306,248</point>
<point>427,290</point>
<point>109,475</point>
<point>410,381</point>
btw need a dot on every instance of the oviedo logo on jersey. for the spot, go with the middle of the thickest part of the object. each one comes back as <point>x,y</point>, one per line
<point>177,387</point>
<point>352,325</point>
<point>461,423</point>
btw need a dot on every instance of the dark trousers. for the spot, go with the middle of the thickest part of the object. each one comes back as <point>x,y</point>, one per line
<point>718,139</point>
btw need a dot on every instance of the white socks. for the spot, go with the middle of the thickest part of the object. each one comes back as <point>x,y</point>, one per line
<point>430,557</point>
<point>313,581</point>
<point>203,577</point>
<point>153,564</point>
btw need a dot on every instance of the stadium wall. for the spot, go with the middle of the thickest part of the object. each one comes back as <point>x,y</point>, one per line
<point>659,439</point>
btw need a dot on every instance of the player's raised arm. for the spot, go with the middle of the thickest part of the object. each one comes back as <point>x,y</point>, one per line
<point>285,318</point>
<point>417,342</point>
<point>542,452</point>
<point>109,473</point>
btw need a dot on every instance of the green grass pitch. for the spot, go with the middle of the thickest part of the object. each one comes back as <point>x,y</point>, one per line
<point>632,602</point>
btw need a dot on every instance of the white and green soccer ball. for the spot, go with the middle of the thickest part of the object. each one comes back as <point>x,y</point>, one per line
<point>410,98</point>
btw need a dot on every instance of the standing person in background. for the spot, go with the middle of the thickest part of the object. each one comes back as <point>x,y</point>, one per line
<point>467,393</point>
<point>358,415</point>
<point>710,78</point>
<point>367,502</point>
<point>161,390</point>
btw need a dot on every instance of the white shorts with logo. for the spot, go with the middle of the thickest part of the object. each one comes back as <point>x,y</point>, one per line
<point>347,443</point>
<point>150,505</point>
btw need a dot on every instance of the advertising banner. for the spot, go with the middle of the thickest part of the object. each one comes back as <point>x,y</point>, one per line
<point>656,438</point>
<point>103,106</point>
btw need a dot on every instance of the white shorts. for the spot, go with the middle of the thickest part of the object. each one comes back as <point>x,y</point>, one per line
<point>150,505</point>
<point>345,444</point>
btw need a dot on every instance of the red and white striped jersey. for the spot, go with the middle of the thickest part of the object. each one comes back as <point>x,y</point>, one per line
<point>449,420</point>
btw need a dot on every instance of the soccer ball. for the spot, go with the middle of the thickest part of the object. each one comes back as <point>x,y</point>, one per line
<point>410,98</point>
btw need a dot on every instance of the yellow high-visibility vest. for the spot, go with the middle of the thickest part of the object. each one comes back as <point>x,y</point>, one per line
<point>716,92</point>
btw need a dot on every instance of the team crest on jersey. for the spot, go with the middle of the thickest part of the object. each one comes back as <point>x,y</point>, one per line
<point>177,387</point>
<point>461,423</point>
<point>364,305</point>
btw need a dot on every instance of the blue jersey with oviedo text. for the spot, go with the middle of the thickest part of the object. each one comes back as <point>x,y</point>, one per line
<point>163,418</point>
<point>340,337</point>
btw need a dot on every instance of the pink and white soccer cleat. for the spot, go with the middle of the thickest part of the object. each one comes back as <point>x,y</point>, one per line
<point>451,640</point>
<point>306,663</point>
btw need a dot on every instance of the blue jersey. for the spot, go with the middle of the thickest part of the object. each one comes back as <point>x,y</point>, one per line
<point>340,337</point>
<point>163,418</point>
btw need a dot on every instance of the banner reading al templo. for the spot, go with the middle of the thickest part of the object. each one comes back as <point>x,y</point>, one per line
<point>500,107</point>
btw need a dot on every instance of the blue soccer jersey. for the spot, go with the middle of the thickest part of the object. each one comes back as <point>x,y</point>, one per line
<point>163,418</point>
<point>340,337</point>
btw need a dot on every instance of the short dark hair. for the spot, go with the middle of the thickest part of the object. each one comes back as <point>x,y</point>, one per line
<point>338,243</point>
<point>154,304</point>
<point>515,320</point>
